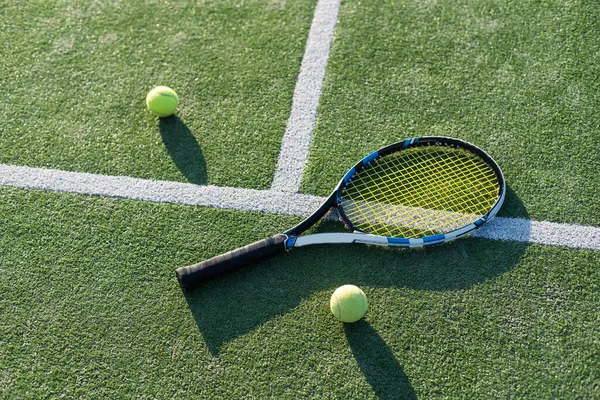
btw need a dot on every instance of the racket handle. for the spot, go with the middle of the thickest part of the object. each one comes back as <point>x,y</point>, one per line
<point>191,276</point>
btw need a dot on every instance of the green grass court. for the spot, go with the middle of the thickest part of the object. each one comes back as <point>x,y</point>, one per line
<point>89,304</point>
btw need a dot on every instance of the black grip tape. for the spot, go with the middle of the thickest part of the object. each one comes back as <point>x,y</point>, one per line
<point>191,276</point>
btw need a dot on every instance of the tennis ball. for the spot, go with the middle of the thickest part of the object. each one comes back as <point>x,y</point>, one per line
<point>162,101</point>
<point>348,303</point>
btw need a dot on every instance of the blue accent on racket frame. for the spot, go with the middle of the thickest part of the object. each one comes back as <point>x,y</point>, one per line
<point>290,242</point>
<point>398,241</point>
<point>434,238</point>
<point>408,142</point>
<point>373,156</point>
<point>349,175</point>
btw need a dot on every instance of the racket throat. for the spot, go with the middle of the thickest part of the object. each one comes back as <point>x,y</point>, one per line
<point>323,210</point>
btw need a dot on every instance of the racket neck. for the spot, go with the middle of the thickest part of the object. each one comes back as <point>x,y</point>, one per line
<point>314,217</point>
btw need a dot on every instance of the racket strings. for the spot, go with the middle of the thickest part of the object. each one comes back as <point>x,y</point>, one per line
<point>436,170</point>
<point>419,192</point>
<point>427,199</point>
<point>439,191</point>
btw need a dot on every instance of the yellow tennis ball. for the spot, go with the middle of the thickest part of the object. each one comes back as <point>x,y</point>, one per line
<point>348,303</point>
<point>162,101</point>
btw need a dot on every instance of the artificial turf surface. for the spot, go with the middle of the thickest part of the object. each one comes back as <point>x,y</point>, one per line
<point>75,75</point>
<point>90,308</point>
<point>89,304</point>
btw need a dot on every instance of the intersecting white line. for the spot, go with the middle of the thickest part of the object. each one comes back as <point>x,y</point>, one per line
<point>283,197</point>
<point>297,138</point>
<point>272,201</point>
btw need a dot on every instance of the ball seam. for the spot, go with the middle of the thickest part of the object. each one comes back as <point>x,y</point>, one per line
<point>337,303</point>
<point>363,298</point>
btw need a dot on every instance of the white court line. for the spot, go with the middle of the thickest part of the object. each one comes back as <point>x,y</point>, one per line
<point>297,138</point>
<point>513,229</point>
<point>157,191</point>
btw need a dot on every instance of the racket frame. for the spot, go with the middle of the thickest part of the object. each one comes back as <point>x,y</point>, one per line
<point>192,275</point>
<point>357,236</point>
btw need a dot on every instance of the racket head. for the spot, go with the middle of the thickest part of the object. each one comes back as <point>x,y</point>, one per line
<point>421,191</point>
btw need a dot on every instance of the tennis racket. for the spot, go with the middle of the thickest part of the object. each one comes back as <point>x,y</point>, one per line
<point>418,192</point>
